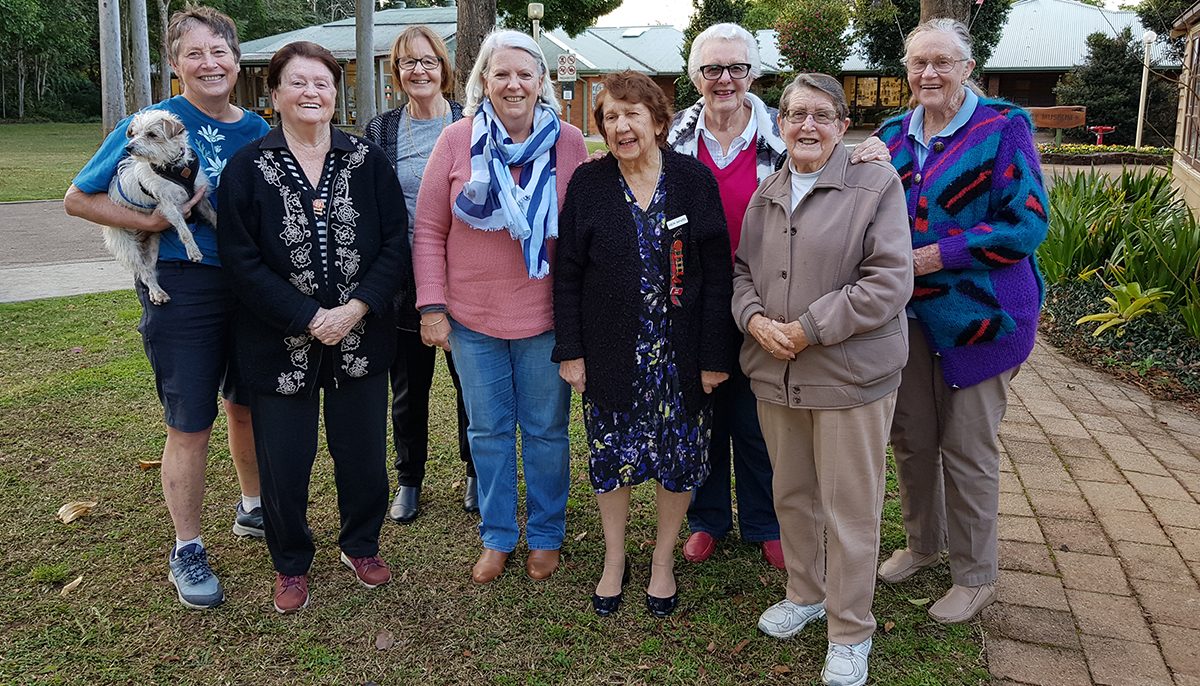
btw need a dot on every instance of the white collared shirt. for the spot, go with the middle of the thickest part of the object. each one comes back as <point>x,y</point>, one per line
<point>745,140</point>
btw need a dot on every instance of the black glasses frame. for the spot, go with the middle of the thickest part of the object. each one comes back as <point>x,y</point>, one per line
<point>713,72</point>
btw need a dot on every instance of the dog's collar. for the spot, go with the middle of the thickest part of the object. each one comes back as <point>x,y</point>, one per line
<point>130,200</point>
<point>181,174</point>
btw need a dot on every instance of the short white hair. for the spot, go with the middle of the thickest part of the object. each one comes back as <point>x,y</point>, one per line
<point>728,32</point>
<point>507,39</point>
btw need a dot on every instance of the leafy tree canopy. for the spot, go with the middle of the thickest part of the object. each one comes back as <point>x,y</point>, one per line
<point>1106,83</point>
<point>1159,16</point>
<point>572,16</point>
<point>811,35</point>
<point>881,25</point>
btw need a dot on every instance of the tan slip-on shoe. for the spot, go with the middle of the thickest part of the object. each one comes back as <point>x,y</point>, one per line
<point>904,563</point>
<point>489,566</point>
<point>541,564</point>
<point>962,603</point>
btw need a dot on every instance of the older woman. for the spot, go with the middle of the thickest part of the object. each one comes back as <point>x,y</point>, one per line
<point>977,210</point>
<point>820,289</point>
<point>734,133</point>
<point>487,217</point>
<point>312,231</point>
<point>641,295</point>
<point>186,339</point>
<point>421,70</point>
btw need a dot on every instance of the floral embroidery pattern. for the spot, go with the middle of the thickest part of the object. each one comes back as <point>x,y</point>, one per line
<point>300,256</point>
<point>209,150</point>
<point>348,261</point>
<point>305,281</point>
<point>290,383</point>
<point>354,366</point>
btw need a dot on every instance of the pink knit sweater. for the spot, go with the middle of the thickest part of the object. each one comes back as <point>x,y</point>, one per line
<point>478,275</point>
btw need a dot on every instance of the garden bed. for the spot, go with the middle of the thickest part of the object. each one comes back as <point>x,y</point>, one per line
<point>1083,154</point>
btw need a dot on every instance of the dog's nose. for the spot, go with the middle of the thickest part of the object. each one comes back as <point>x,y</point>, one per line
<point>129,148</point>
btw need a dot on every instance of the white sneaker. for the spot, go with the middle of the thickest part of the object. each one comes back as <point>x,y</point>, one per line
<point>846,665</point>
<point>785,618</point>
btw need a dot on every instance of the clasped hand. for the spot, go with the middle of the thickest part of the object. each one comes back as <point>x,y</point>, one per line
<point>783,341</point>
<point>331,326</point>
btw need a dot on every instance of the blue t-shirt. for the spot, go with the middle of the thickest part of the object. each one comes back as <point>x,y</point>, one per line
<point>213,142</point>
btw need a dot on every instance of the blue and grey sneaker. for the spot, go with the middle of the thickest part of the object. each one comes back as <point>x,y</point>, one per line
<point>248,523</point>
<point>194,581</point>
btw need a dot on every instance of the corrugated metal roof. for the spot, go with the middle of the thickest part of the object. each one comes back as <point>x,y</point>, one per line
<point>338,36</point>
<point>655,46</point>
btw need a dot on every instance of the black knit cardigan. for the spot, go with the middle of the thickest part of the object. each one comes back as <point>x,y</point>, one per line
<point>597,275</point>
<point>384,131</point>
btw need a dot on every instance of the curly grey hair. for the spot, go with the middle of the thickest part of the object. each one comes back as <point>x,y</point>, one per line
<point>727,32</point>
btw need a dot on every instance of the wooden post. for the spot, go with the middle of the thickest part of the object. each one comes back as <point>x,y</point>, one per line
<point>364,50</point>
<point>111,86</point>
<point>139,49</point>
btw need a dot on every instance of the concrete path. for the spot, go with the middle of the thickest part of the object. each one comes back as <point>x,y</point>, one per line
<point>1100,533</point>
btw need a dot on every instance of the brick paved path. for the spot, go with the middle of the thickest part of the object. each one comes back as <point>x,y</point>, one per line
<point>1100,533</point>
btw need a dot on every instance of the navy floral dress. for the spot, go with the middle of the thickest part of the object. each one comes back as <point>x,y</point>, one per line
<point>657,437</point>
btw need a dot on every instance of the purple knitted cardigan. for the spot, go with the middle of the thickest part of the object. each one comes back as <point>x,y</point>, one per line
<point>981,198</point>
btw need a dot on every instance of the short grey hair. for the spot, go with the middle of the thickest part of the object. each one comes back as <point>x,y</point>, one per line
<point>727,32</point>
<point>957,31</point>
<point>818,82</point>
<point>497,40</point>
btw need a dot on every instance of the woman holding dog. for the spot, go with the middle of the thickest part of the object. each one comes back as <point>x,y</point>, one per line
<point>312,231</point>
<point>421,69</point>
<point>487,217</point>
<point>186,339</point>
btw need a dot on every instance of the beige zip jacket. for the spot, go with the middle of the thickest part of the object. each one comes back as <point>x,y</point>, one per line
<point>841,264</point>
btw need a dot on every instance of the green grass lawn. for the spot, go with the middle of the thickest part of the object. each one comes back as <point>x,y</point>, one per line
<point>77,398</point>
<point>38,161</point>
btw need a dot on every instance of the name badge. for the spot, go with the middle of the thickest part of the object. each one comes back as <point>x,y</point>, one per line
<point>677,222</point>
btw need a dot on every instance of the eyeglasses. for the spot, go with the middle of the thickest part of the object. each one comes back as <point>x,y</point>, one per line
<point>427,63</point>
<point>712,72</point>
<point>942,65</point>
<point>819,116</point>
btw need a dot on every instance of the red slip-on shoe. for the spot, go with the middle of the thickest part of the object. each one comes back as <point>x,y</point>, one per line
<point>772,552</point>
<point>699,547</point>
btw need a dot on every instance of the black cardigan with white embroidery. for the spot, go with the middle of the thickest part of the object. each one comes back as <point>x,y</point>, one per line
<point>597,280</point>
<point>271,256</point>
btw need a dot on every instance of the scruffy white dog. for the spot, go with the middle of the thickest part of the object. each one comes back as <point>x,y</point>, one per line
<point>161,172</point>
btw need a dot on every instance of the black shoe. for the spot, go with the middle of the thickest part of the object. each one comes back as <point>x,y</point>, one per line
<point>407,504</point>
<point>607,605</point>
<point>471,497</point>
<point>662,607</point>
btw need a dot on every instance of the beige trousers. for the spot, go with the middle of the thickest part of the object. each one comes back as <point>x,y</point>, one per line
<point>948,463</point>
<point>828,486</point>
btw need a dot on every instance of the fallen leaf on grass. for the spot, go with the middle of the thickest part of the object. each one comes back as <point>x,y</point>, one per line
<point>467,653</point>
<point>384,640</point>
<point>149,464</point>
<point>919,602</point>
<point>74,510</point>
<point>888,626</point>
<point>648,543</point>
<point>581,536</point>
<point>712,646</point>
<point>71,586</point>
<point>764,581</point>
<point>781,669</point>
<point>456,484</point>
<point>740,646</point>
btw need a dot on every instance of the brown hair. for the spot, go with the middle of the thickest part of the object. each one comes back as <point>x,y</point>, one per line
<point>634,87</point>
<point>400,48</point>
<point>301,48</point>
<point>190,17</point>
<point>822,83</point>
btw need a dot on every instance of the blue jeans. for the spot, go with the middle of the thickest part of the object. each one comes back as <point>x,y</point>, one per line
<point>735,416</point>
<point>508,384</point>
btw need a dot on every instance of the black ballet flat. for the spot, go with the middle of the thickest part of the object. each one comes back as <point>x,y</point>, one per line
<point>607,605</point>
<point>663,607</point>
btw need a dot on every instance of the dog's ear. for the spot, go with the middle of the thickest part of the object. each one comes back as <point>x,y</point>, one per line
<point>172,127</point>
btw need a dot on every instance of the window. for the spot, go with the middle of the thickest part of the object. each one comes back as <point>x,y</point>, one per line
<point>1189,143</point>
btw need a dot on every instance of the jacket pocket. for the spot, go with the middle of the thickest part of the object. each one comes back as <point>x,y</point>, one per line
<point>879,353</point>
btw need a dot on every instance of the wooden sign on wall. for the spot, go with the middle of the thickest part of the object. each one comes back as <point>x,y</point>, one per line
<point>1066,117</point>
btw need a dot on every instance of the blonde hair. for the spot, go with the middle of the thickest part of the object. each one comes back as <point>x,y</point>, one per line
<point>507,39</point>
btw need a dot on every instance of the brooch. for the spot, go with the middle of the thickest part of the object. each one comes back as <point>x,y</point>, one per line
<point>319,206</point>
<point>676,271</point>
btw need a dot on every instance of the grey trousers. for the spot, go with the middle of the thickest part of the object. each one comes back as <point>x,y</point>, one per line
<point>828,489</point>
<point>948,463</point>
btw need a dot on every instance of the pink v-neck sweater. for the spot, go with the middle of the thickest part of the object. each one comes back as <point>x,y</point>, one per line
<point>478,275</point>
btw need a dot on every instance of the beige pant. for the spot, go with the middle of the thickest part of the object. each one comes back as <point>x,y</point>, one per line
<point>828,486</point>
<point>948,463</point>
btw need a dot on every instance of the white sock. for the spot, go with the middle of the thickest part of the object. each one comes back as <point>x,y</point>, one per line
<point>179,545</point>
<point>249,502</point>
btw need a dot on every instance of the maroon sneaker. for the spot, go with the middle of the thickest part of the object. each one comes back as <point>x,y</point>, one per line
<point>371,571</point>
<point>699,547</point>
<point>773,553</point>
<point>291,593</point>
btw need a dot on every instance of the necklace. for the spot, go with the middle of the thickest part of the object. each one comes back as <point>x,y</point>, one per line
<point>418,154</point>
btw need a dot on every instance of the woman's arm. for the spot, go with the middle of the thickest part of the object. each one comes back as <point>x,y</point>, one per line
<point>431,225</point>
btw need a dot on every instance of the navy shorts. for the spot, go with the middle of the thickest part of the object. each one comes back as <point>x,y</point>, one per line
<point>187,342</point>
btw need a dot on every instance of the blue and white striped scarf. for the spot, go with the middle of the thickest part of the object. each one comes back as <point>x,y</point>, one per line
<point>490,201</point>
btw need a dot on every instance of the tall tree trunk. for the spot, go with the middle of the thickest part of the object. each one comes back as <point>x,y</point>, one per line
<point>476,19</point>
<point>955,9</point>
<point>20,85</point>
<point>113,97</point>
<point>139,49</point>
<point>364,79</point>
<point>164,50</point>
<point>126,58</point>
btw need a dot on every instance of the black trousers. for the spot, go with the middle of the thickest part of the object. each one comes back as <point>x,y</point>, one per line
<point>285,436</point>
<point>412,378</point>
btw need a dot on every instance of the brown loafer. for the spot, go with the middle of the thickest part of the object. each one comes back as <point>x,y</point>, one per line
<point>489,566</point>
<point>541,564</point>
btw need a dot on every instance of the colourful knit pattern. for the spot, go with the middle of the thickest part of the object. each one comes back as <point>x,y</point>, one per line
<point>981,198</point>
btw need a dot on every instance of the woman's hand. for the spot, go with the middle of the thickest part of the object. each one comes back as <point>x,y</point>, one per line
<point>927,259</point>
<point>710,380</point>
<point>771,338</point>
<point>796,336</point>
<point>597,155</point>
<point>435,330</point>
<point>870,150</point>
<point>574,373</point>
<point>337,322</point>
